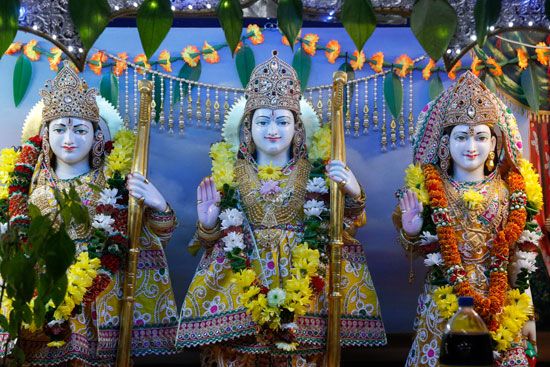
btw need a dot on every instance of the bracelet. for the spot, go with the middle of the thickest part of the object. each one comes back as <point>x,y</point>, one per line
<point>407,241</point>
<point>208,234</point>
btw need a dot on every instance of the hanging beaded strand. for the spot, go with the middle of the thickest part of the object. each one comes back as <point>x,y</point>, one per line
<point>320,104</point>
<point>198,109</point>
<point>384,138</point>
<point>366,123</point>
<point>189,103</point>
<point>329,106</point>
<point>181,121</point>
<point>216,110</point>
<point>208,107</point>
<point>127,100</point>
<point>153,96</point>
<point>411,117</point>
<point>348,114</point>
<point>375,103</point>
<point>135,99</point>
<point>402,120</point>
<point>171,109</point>
<point>225,104</point>
<point>356,122</point>
<point>161,109</point>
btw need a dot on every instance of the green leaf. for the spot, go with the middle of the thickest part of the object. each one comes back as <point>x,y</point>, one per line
<point>289,17</point>
<point>3,322</point>
<point>436,87</point>
<point>486,14</point>
<point>9,14</point>
<point>489,82</point>
<point>59,254</point>
<point>189,73</point>
<point>393,93</point>
<point>358,19</point>
<point>245,61</point>
<point>433,22</point>
<point>90,17</point>
<point>59,289</point>
<point>230,15</point>
<point>302,64</point>
<point>154,20</point>
<point>159,97</point>
<point>530,86</point>
<point>109,88</point>
<point>38,232</point>
<point>21,78</point>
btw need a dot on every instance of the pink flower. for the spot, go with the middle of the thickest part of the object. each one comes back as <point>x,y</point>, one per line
<point>270,187</point>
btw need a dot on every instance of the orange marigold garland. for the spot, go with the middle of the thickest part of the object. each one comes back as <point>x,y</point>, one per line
<point>504,240</point>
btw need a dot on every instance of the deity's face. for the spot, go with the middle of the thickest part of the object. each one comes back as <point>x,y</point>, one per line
<point>470,146</point>
<point>272,130</point>
<point>71,139</point>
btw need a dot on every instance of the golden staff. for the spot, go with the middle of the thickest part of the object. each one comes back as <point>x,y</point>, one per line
<point>135,218</point>
<point>336,222</point>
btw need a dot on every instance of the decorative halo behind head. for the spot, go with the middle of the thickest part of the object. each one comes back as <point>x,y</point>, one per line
<point>467,102</point>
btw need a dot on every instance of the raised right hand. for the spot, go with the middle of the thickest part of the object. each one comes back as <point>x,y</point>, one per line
<point>411,213</point>
<point>208,199</point>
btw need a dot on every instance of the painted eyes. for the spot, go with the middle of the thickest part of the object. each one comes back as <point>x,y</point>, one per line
<point>62,130</point>
<point>463,138</point>
<point>266,122</point>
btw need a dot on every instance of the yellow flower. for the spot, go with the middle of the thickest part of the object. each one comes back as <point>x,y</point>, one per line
<point>221,151</point>
<point>298,295</point>
<point>252,291</point>
<point>141,60</point>
<point>357,60</point>
<point>332,51</point>
<point>96,62</point>
<point>256,34</point>
<point>164,61</point>
<point>270,172</point>
<point>309,43</point>
<point>120,158</point>
<point>474,67</point>
<point>14,48</point>
<point>223,173</point>
<point>120,65</point>
<point>30,52</point>
<point>522,300</point>
<point>473,199</point>
<point>503,338</point>
<point>305,261</point>
<point>427,71</point>
<point>543,54</point>
<point>55,59</point>
<point>378,63</point>
<point>406,67</point>
<point>191,55</point>
<point>452,74</point>
<point>415,181</point>
<point>8,158</point>
<point>321,144</point>
<point>56,344</point>
<point>495,68</point>
<point>210,54</point>
<point>446,301</point>
<point>523,59</point>
<point>244,278</point>
<point>532,186</point>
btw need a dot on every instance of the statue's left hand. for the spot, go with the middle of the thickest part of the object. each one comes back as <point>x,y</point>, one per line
<point>139,187</point>
<point>338,172</point>
<point>530,332</point>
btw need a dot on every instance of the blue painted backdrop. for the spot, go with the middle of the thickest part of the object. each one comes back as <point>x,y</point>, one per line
<point>177,164</point>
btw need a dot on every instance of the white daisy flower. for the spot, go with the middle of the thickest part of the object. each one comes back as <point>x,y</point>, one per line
<point>231,217</point>
<point>527,265</point>
<point>232,241</point>
<point>530,236</point>
<point>288,347</point>
<point>3,228</point>
<point>108,197</point>
<point>426,238</point>
<point>102,221</point>
<point>314,208</point>
<point>433,259</point>
<point>318,185</point>
<point>276,297</point>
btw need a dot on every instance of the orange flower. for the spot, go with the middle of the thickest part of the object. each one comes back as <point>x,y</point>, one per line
<point>474,67</point>
<point>496,70</point>
<point>427,71</point>
<point>55,59</point>
<point>332,51</point>
<point>96,62</point>
<point>210,54</point>
<point>239,46</point>
<point>543,54</point>
<point>141,60</point>
<point>523,59</point>
<point>257,37</point>
<point>378,63</point>
<point>309,42</point>
<point>452,74</point>
<point>164,61</point>
<point>191,55</point>
<point>406,65</point>
<point>30,52</point>
<point>285,41</point>
<point>14,48</point>
<point>357,60</point>
<point>120,65</point>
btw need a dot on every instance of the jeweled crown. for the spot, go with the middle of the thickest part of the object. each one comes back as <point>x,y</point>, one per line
<point>69,96</point>
<point>273,84</point>
<point>471,103</point>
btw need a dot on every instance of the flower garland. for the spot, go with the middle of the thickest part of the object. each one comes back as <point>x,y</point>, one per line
<point>491,305</point>
<point>274,310</point>
<point>94,267</point>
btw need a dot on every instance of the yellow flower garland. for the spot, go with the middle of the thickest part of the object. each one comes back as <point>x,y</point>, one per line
<point>321,144</point>
<point>223,161</point>
<point>446,301</point>
<point>121,156</point>
<point>415,181</point>
<point>532,186</point>
<point>8,157</point>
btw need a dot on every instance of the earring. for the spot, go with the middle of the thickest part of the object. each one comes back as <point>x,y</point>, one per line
<point>46,147</point>
<point>490,163</point>
<point>98,149</point>
<point>444,153</point>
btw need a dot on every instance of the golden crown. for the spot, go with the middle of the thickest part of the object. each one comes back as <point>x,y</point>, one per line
<point>273,84</point>
<point>68,96</point>
<point>471,103</point>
